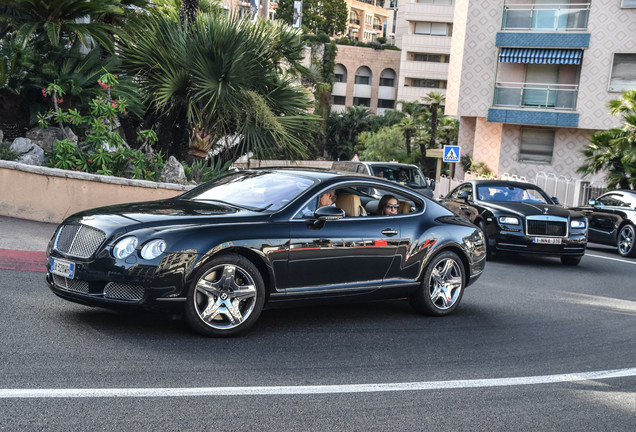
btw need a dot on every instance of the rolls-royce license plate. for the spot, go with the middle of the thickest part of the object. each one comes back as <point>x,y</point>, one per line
<point>62,268</point>
<point>547,240</point>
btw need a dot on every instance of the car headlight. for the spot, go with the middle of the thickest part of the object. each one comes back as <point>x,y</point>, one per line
<point>125,247</point>
<point>509,220</point>
<point>577,224</point>
<point>153,249</point>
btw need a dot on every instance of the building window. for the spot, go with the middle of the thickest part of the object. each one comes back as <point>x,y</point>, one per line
<point>536,145</point>
<point>623,75</point>
<point>338,77</point>
<point>433,28</point>
<point>368,19</point>
<point>361,79</point>
<point>362,101</point>
<point>338,100</point>
<point>386,103</point>
<point>433,58</point>
<point>429,83</point>
<point>628,4</point>
<point>387,82</point>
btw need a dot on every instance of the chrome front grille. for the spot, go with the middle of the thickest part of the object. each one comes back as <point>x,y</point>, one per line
<point>80,241</point>
<point>76,285</point>
<point>120,291</point>
<point>545,226</point>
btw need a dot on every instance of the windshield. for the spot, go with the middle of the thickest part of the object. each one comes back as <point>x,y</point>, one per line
<point>512,193</point>
<point>407,175</point>
<point>252,190</point>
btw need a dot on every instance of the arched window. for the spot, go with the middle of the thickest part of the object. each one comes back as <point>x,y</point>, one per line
<point>340,74</point>
<point>363,75</point>
<point>388,78</point>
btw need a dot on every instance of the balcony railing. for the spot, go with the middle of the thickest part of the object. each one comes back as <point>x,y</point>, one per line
<point>529,95</point>
<point>546,17</point>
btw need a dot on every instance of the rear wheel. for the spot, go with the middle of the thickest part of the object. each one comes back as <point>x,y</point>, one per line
<point>226,297</point>
<point>570,260</point>
<point>625,242</point>
<point>442,286</point>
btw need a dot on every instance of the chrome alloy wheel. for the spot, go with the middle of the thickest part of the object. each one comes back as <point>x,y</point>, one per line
<point>225,296</point>
<point>626,240</point>
<point>445,283</point>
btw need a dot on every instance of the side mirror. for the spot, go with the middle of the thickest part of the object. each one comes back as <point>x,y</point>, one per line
<point>556,200</point>
<point>592,202</point>
<point>432,184</point>
<point>463,196</point>
<point>329,213</point>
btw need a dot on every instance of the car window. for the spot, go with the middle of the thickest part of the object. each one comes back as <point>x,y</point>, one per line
<point>252,190</point>
<point>511,193</point>
<point>462,188</point>
<point>408,175</point>
<point>614,200</point>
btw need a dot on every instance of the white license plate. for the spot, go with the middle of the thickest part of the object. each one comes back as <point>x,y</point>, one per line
<point>62,268</point>
<point>546,240</point>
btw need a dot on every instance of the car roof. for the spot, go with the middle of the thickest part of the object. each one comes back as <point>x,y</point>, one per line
<point>495,182</point>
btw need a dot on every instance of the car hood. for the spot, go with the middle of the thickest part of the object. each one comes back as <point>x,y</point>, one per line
<point>162,213</point>
<point>531,209</point>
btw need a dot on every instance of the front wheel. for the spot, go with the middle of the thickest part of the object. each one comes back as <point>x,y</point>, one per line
<point>570,260</point>
<point>226,297</point>
<point>442,286</point>
<point>626,241</point>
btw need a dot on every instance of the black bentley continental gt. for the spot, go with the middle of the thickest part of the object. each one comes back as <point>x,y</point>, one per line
<point>222,252</point>
<point>520,218</point>
<point>612,220</point>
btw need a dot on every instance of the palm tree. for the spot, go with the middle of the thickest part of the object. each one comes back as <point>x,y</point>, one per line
<point>614,150</point>
<point>435,100</point>
<point>410,123</point>
<point>225,84</point>
<point>343,130</point>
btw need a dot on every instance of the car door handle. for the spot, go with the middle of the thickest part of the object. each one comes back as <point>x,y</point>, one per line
<point>389,232</point>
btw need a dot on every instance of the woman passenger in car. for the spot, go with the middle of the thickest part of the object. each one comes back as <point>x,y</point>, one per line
<point>388,205</point>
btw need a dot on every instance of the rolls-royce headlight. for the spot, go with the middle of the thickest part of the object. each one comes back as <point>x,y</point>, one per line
<point>509,220</point>
<point>579,224</point>
<point>153,249</point>
<point>125,247</point>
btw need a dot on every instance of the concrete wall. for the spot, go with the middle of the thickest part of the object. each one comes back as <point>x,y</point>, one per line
<point>49,194</point>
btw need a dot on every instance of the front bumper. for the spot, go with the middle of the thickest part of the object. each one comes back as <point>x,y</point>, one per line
<point>573,245</point>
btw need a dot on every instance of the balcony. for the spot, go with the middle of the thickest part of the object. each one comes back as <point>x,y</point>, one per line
<point>546,17</point>
<point>531,95</point>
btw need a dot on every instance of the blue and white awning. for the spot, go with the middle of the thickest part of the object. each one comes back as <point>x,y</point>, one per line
<point>540,55</point>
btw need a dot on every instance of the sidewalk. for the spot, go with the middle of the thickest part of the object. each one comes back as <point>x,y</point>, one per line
<point>23,244</point>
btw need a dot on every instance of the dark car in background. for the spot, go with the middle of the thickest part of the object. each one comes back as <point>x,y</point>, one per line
<point>222,252</point>
<point>405,174</point>
<point>612,220</point>
<point>519,217</point>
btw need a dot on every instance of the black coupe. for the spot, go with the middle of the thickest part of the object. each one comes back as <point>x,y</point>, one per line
<point>225,250</point>
<point>520,217</point>
<point>612,220</point>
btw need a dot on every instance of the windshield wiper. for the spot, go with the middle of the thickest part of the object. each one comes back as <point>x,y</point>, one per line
<point>225,203</point>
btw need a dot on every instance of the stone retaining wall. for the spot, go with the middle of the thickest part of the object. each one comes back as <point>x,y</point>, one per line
<point>49,194</point>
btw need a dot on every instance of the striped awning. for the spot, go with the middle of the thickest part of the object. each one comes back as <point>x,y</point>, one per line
<point>540,55</point>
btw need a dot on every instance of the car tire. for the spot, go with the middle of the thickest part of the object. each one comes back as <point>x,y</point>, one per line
<point>570,260</point>
<point>626,242</point>
<point>442,286</point>
<point>225,297</point>
<point>490,254</point>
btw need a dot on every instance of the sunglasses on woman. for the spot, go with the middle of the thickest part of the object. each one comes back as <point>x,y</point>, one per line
<point>393,206</point>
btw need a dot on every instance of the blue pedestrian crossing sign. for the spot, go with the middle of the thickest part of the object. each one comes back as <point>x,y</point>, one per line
<point>451,153</point>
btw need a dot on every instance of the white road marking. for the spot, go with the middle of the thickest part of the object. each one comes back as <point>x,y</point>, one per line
<point>609,258</point>
<point>316,389</point>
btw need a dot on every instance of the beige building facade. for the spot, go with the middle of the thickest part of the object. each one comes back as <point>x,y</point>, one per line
<point>367,77</point>
<point>367,20</point>
<point>423,31</point>
<point>530,80</point>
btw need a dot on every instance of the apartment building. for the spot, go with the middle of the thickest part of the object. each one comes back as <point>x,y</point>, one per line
<point>365,76</point>
<point>423,31</point>
<point>367,20</point>
<point>530,80</point>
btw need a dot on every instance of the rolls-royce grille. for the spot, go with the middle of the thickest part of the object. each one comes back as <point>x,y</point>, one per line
<point>547,228</point>
<point>76,285</point>
<point>79,241</point>
<point>120,291</point>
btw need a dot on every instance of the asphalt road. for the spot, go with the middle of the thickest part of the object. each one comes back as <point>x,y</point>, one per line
<point>501,362</point>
